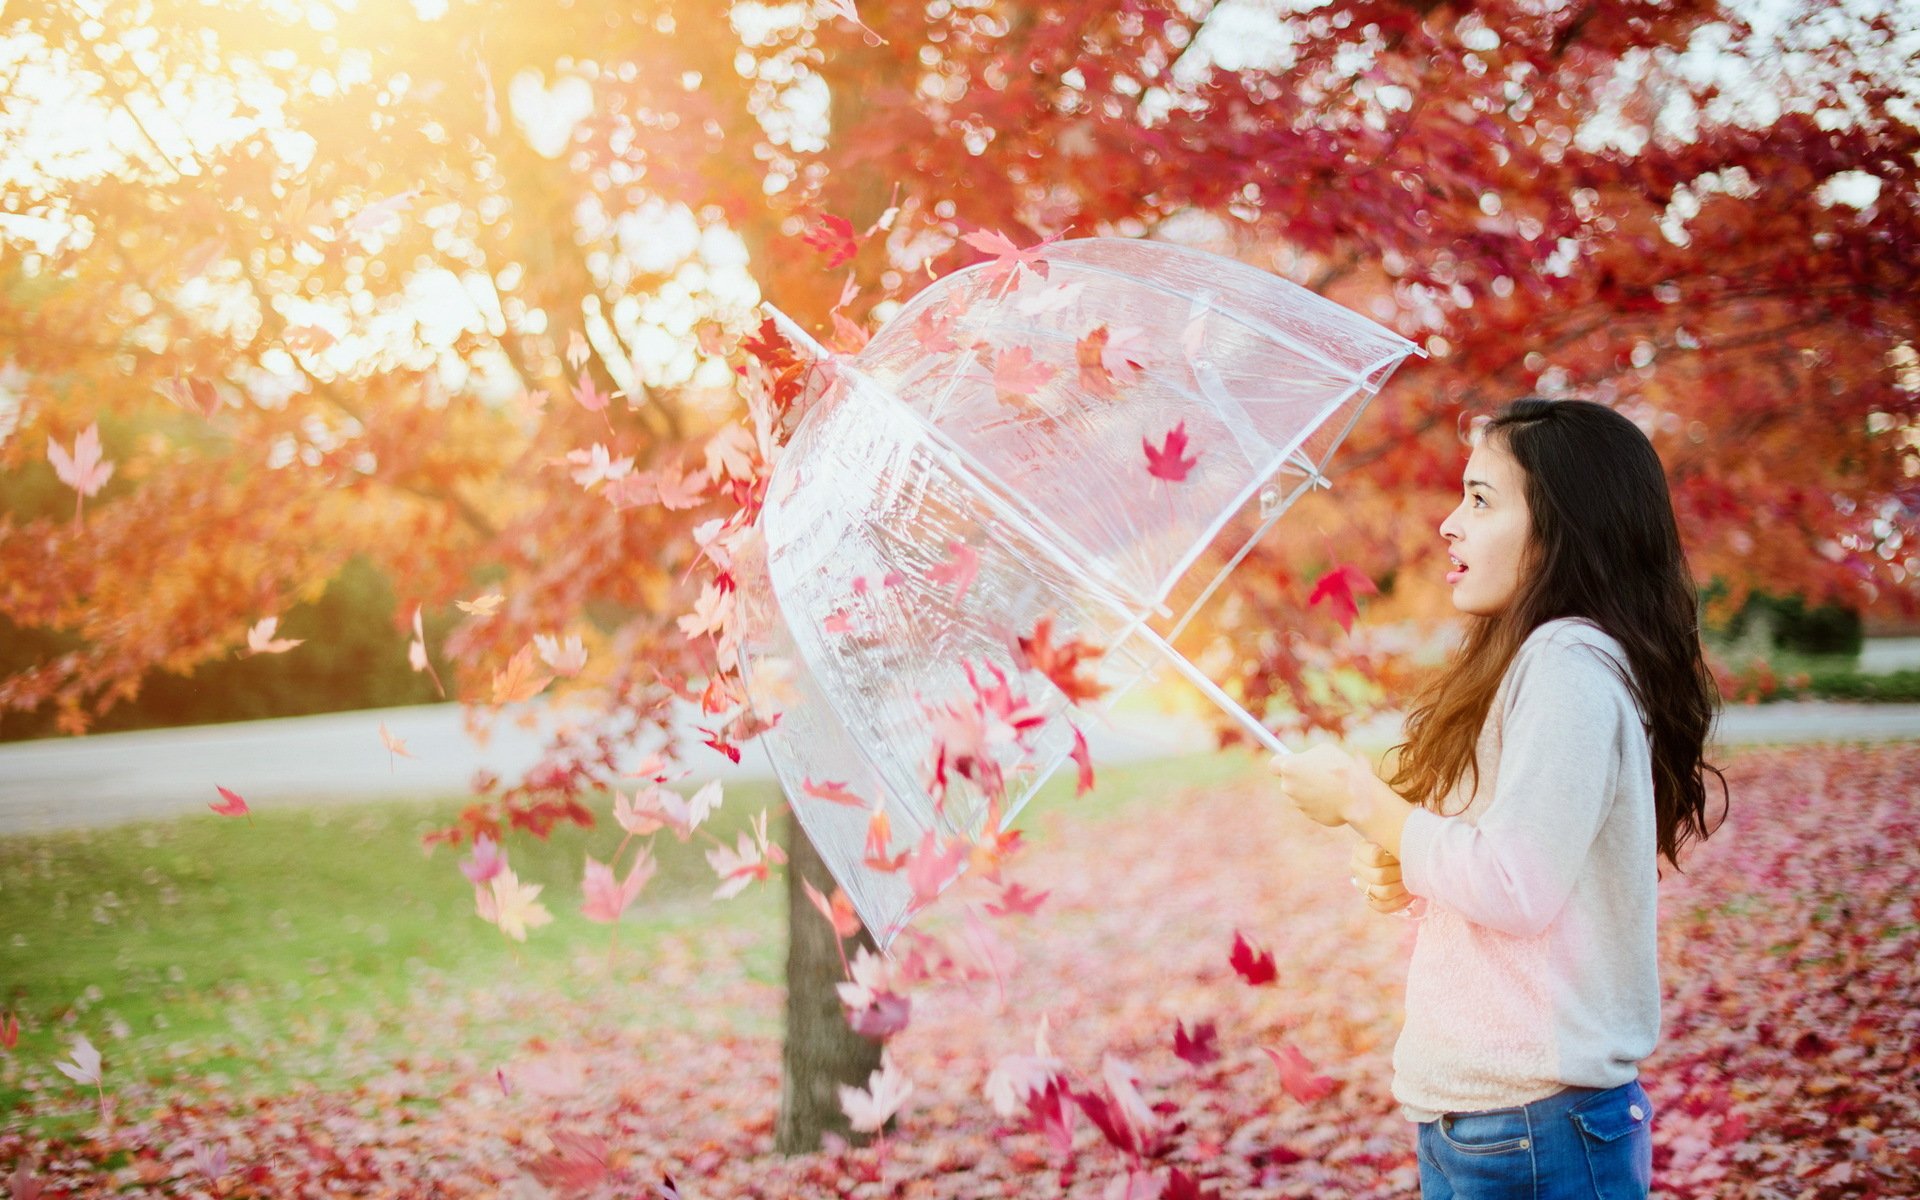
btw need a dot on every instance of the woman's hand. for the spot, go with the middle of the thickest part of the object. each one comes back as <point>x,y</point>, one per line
<point>1379,873</point>
<point>1320,781</point>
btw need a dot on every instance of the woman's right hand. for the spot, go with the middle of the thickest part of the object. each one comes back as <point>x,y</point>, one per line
<point>1379,873</point>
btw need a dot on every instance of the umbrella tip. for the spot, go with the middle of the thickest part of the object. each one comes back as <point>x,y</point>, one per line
<point>798,336</point>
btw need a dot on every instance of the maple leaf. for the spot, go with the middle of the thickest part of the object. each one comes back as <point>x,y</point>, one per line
<point>481,606</point>
<point>234,806</point>
<point>308,339</point>
<point>749,860</point>
<point>868,976</point>
<point>1060,662</point>
<point>603,899</point>
<point>1199,1047</point>
<point>1017,375</point>
<point>1038,302</point>
<point>1167,462</point>
<point>417,653</point>
<point>730,453</point>
<point>83,470</point>
<point>933,330</point>
<point>1083,782</point>
<point>712,612</point>
<point>194,394</point>
<point>833,793</point>
<point>832,236</point>
<point>578,1162</point>
<point>210,1161</point>
<point>10,1031</point>
<point>394,746</point>
<point>515,908</point>
<point>880,1020</point>
<point>577,350</point>
<point>589,396</point>
<point>85,1067</point>
<point>1016,901</point>
<point>879,840</point>
<point>1090,353</point>
<point>1296,1075</point>
<point>1254,966</point>
<point>518,682</point>
<point>1007,256</point>
<point>1122,1115</point>
<point>887,1089</point>
<point>838,911</point>
<point>1017,1078</point>
<point>484,862</point>
<point>959,568</point>
<point>381,213</point>
<point>931,867</point>
<point>260,639</point>
<point>845,10</point>
<point>568,659</point>
<point>597,465</point>
<point>1338,587</point>
<point>1182,1186</point>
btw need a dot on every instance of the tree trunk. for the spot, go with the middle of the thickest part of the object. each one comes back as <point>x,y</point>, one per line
<point>822,1052</point>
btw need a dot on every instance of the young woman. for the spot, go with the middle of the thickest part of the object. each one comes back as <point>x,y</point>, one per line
<point>1545,771</point>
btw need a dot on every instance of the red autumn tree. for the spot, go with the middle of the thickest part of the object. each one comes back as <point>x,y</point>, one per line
<point>462,287</point>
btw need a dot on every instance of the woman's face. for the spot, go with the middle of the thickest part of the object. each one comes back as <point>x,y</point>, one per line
<point>1487,533</point>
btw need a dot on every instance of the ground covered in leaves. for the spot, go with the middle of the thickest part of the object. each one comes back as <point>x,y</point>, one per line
<point>1791,1035</point>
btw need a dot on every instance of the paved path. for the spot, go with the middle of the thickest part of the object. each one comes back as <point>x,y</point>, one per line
<point>107,779</point>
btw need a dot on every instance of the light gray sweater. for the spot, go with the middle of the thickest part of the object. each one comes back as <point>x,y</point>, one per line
<point>1536,966</point>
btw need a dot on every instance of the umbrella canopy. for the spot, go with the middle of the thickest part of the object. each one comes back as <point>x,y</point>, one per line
<point>1014,497</point>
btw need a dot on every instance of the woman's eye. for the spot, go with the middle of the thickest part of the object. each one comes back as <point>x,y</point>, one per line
<point>1480,501</point>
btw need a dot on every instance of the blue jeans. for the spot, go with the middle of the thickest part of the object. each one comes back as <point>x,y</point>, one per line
<point>1578,1144</point>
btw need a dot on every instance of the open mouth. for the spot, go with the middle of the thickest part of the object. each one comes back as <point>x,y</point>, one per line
<point>1459,569</point>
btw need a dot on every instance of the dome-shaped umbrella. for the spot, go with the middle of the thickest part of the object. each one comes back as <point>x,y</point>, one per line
<point>1013,497</point>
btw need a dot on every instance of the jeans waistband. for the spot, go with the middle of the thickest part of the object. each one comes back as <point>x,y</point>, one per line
<point>1566,1098</point>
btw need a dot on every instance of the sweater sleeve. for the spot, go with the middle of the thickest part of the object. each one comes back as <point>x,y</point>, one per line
<point>1560,752</point>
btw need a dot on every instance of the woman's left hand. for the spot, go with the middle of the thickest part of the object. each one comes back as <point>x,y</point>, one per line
<point>1320,781</point>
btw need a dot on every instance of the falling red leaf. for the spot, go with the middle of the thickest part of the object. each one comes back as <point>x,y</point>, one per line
<point>959,569</point>
<point>1016,900</point>
<point>838,911</point>
<point>1254,966</point>
<point>1296,1075</point>
<point>234,806</point>
<point>1017,375</point>
<point>1338,587</point>
<point>1060,662</point>
<point>931,866</point>
<point>833,793</point>
<point>1090,353</point>
<point>1167,462</point>
<point>834,237</point>
<point>1083,783</point>
<point>1199,1047</point>
<point>1007,256</point>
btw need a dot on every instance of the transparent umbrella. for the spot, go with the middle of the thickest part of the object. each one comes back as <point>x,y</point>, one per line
<point>1072,451</point>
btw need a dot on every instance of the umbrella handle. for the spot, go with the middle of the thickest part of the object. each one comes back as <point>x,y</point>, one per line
<point>1198,678</point>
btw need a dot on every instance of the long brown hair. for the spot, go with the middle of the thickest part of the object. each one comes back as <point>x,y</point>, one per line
<point>1604,546</point>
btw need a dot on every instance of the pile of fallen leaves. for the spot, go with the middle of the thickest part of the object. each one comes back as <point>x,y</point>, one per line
<point>1199,1005</point>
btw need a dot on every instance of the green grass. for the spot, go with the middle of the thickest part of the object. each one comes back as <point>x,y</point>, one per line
<point>214,945</point>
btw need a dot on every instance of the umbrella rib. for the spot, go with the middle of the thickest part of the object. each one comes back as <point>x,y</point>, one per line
<point>1062,547</point>
<point>1257,482</point>
<point>1260,327</point>
<point>1064,561</point>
